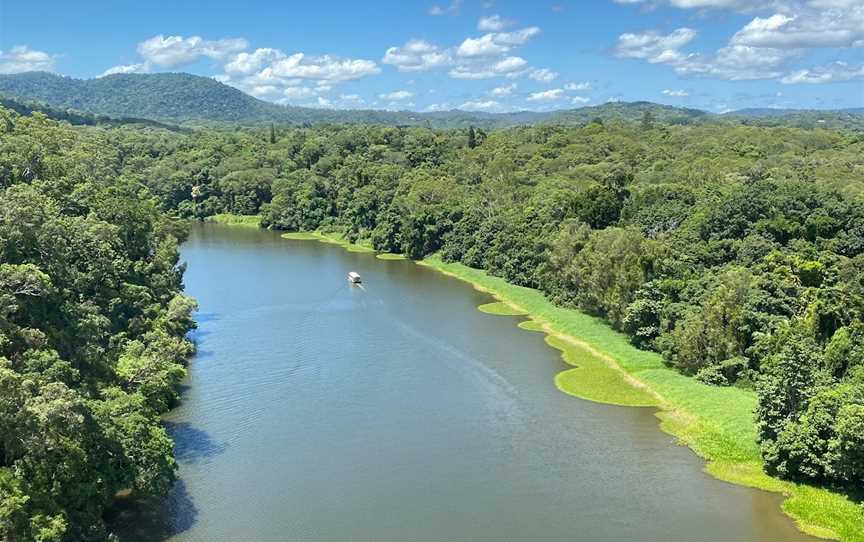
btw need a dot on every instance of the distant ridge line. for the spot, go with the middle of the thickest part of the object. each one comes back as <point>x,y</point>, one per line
<point>182,98</point>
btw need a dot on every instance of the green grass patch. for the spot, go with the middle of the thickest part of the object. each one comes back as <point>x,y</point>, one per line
<point>717,423</point>
<point>390,256</point>
<point>602,385</point>
<point>531,325</point>
<point>501,309</point>
<point>249,221</point>
<point>593,379</point>
<point>332,238</point>
<point>336,239</point>
<point>301,236</point>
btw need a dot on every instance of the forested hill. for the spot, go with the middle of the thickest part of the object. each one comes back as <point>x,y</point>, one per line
<point>185,98</point>
<point>852,118</point>
<point>181,97</point>
<point>158,96</point>
<point>78,118</point>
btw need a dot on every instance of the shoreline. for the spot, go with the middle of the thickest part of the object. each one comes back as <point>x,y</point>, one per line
<point>227,219</point>
<point>716,423</point>
<point>731,456</point>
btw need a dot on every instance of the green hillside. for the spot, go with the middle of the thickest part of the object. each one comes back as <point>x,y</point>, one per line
<point>192,99</point>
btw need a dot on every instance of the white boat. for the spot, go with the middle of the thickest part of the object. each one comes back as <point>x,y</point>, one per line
<point>354,277</point>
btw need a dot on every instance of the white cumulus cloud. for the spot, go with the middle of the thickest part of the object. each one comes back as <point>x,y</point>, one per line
<point>417,55</point>
<point>438,107</point>
<point>174,51</point>
<point>546,95</point>
<point>480,105</point>
<point>510,66</point>
<point>496,43</point>
<point>21,58</point>
<point>450,9</point>
<point>493,23</point>
<point>298,93</point>
<point>396,95</point>
<point>141,67</point>
<point>578,87</point>
<point>782,32</point>
<point>733,62</point>
<point>544,75</point>
<point>504,90</point>
<point>806,28</point>
<point>488,56</point>
<point>324,68</point>
<point>654,47</point>
<point>249,63</point>
<point>831,73</point>
<point>483,46</point>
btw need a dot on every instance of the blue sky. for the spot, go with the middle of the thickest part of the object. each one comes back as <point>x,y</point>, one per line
<point>471,54</point>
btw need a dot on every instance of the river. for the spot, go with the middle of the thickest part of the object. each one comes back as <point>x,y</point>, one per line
<point>315,410</point>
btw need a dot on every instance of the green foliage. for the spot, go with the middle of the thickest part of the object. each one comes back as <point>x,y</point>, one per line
<point>76,117</point>
<point>92,331</point>
<point>736,252</point>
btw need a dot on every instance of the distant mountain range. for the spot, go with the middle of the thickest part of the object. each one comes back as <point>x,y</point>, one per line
<point>26,107</point>
<point>767,112</point>
<point>181,98</point>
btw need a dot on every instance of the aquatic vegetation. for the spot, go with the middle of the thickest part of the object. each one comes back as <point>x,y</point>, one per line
<point>531,325</point>
<point>594,379</point>
<point>501,309</point>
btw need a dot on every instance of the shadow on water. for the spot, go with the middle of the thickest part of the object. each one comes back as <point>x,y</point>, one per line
<point>183,389</point>
<point>202,318</point>
<point>134,520</point>
<point>196,335</point>
<point>192,445</point>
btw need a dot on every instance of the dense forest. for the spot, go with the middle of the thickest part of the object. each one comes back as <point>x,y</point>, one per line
<point>735,251</point>
<point>75,117</point>
<point>92,332</point>
<point>202,101</point>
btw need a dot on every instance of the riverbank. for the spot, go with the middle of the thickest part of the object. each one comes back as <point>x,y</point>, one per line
<point>716,423</point>
<point>335,239</point>
<point>250,221</point>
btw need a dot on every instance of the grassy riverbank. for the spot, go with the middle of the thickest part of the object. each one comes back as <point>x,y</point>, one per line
<point>251,221</point>
<point>717,423</point>
<point>332,238</point>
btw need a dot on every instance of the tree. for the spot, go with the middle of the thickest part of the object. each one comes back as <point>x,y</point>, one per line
<point>785,389</point>
<point>717,330</point>
<point>647,122</point>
